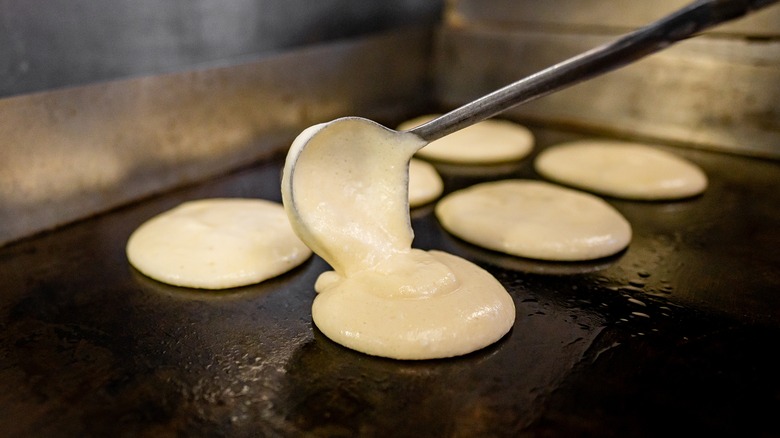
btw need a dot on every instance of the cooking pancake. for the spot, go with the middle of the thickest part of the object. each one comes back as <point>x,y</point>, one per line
<point>486,142</point>
<point>622,169</point>
<point>217,244</point>
<point>425,184</point>
<point>535,219</point>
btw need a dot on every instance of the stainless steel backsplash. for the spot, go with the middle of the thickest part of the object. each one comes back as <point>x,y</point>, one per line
<point>70,153</point>
<point>53,44</point>
<point>718,91</point>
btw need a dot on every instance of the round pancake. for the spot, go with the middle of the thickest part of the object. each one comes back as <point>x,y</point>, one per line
<point>535,219</point>
<point>425,184</point>
<point>217,244</point>
<point>486,142</point>
<point>622,170</point>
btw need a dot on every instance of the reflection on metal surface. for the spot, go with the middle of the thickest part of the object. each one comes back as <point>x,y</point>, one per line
<point>354,394</point>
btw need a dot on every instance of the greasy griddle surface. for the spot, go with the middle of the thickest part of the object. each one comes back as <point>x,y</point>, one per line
<point>677,333</point>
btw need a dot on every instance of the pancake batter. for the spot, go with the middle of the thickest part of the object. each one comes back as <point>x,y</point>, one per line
<point>346,193</point>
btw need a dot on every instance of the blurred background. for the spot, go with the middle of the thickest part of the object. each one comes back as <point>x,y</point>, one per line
<point>57,44</point>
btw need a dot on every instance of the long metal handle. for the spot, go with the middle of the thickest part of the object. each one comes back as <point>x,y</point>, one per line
<point>658,35</point>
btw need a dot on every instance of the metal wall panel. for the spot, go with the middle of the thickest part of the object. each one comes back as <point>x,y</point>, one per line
<point>714,91</point>
<point>71,153</point>
<point>51,44</point>
<point>596,15</point>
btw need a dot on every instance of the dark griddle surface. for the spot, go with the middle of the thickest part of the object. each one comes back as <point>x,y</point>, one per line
<point>677,334</point>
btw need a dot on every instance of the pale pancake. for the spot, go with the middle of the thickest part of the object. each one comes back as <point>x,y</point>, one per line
<point>535,219</point>
<point>425,183</point>
<point>349,188</point>
<point>486,142</point>
<point>217,244</point>
<point>622,170</point>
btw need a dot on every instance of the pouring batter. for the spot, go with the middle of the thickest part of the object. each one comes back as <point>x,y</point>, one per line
<point>346,194</point>
<point>345,189</point>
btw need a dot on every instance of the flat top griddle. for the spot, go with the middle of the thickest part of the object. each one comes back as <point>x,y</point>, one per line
<point>676,334</point>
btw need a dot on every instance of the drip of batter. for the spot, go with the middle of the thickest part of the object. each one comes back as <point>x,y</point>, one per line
<point>345,189</point>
